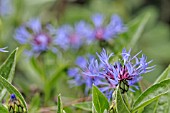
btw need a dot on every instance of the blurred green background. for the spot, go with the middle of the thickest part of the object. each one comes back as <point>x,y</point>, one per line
<point>154,41</point>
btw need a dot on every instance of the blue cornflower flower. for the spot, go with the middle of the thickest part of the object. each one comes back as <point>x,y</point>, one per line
<point>104,57</point>
<point>3,49</point>
<point>79,77</point>
<point>6,7</point>
<point>106,32</point>
<point>38,38</point>
<point>125,73</point>
<point>74,37</point>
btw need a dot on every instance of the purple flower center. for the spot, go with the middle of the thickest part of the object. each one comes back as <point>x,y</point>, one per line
<point>74,38</point>
<point>99,33</point>
<point>42,39</point>
<point>110,75</point>
<point>123,74</point>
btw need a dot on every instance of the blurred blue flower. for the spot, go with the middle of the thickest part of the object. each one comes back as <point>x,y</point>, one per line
<point>6,7</point>
<point>38,38</point>
<point>3,49</point>
<point>124,74</point>
<point>72,37</point>
<point>106,32</point>
<point>79,77</point>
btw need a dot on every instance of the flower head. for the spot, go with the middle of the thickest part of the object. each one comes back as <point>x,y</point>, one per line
<point>106,32</point>
<point>33,34</point>
<point>79,77</point>
<point>123,74</point>
<point>74,37</point>
<point>6,7</point>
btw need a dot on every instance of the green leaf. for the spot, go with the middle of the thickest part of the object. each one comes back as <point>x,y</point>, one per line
<point>52,81</point>
<point>37,2</point>
<point>84,105</point>
<point>151,108</point>
<point>3,109</point>
<point>100,102</point>
<point>12,90</point>
<point>139,28</point>
<point>120,104</point>
<point>35,103</point>
<point>37,66</point>
<point>151,94</point>
<point>163,104</point>
<point>164,75</point>
<point>7,71</point>
<point>60,107</point>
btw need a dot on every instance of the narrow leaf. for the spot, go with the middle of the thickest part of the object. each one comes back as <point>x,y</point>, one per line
<point>37,66</point>
<point>3,109</point>
<point>139,30</point>
<point>35,103</point>
<point>7,71</point>
<point>84,105</point>
<point>151,108</point>
<point>164,75</point>
<point>60,107</point>
<point>120,104</point>
<point>163,104</point>
<point>52,81</point>
<point>100,102</point>
<point>12,90</point>
<point>151,94</point>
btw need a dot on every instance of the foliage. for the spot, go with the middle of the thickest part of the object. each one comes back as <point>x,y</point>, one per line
<point>55,67</point>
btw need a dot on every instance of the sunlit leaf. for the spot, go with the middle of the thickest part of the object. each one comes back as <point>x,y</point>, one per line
<point>3,109</point>
<point>100,102</point>
<point>6,76</point>
<point>60,107</point>
<point>151,108</point>
<point>163,104</point>
<point>139,28</point>
<point>7,70</point>
<point>164,75</point>
<point>84,105</point>
<point>120,104</point>
<point>151,94</point>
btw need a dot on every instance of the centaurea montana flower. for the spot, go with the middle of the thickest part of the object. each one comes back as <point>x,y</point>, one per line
<point>72,37</point>
<point>6,7</point>
<point>125,73</point>
<point>106,32</point>
<point>38,38</point>
<point>79,77</point>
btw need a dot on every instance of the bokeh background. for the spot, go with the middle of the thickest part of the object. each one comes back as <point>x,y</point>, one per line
<point>154,41</point>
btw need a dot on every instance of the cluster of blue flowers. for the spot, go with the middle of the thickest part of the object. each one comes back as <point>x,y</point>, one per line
<point>45,38</point>
<point>33,34</point>
<point>100,72</point>
<point>107,76</point>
